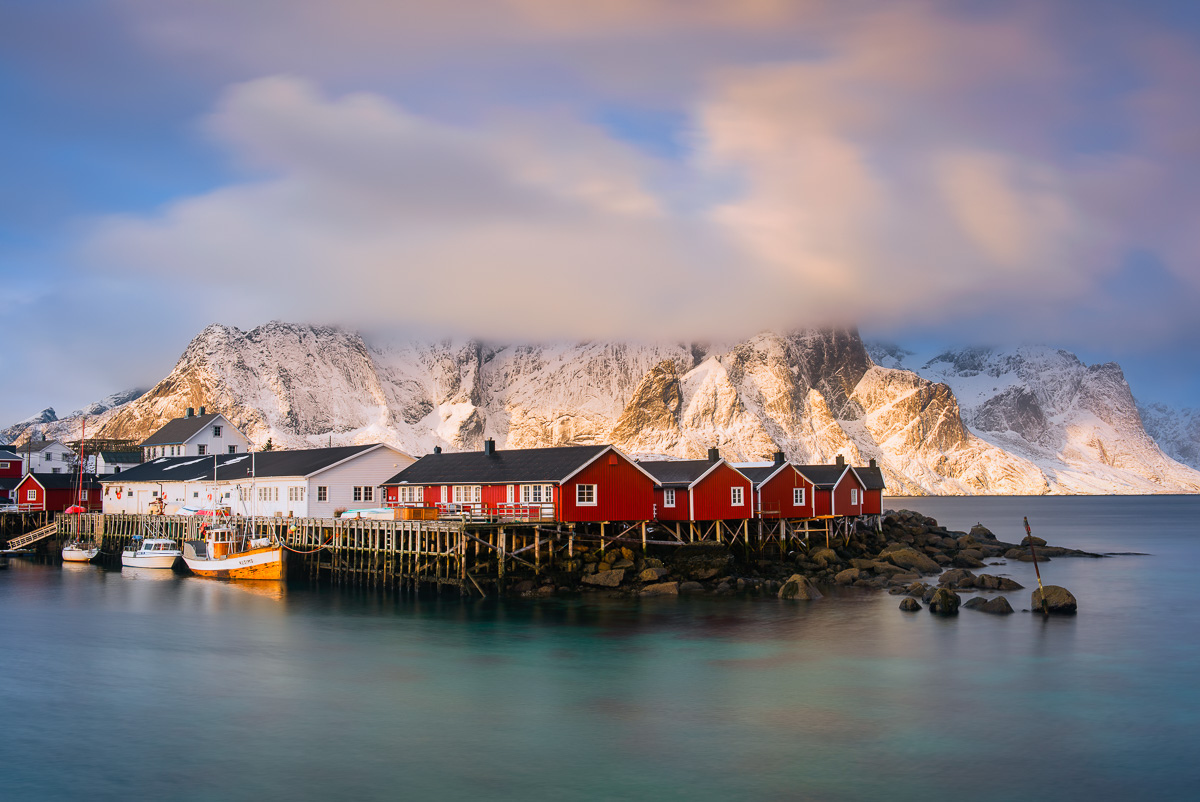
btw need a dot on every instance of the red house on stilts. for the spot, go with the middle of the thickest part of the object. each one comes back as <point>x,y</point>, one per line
<point>781,491</point>
<point>54,492</point>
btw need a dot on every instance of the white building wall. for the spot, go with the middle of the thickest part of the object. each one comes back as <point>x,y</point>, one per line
<point>54,458</point>
<point>230,436</point>
<point>365,470</point>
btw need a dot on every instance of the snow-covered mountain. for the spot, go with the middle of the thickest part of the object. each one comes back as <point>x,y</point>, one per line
<point>1177,431</point>
<point>1045,422</point>
<point>46,424</point>
<point>1078,423</point>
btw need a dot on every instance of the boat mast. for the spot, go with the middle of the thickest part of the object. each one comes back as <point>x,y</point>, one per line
<point>82,452</point>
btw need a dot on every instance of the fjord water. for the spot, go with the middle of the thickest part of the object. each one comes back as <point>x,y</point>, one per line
<point>141,682</point>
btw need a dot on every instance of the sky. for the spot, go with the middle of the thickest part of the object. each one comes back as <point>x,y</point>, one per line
<point>937,174</point>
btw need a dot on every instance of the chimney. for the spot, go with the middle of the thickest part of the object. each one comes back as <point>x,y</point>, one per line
<point>437,449</point>
<point>872,463</point>
<point>202,410</point>
<point>841,460</point>
<point>489,446</point>
<point>714,454</point>
<point>190,412</point>
<point>778,455</point>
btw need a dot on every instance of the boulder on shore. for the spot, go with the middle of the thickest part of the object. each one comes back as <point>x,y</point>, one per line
<point>799,587</point>
<point>957,578</point>
<point>605,579</point>
<point>913,559</point>
<point>944,602</point>
<point>661,589</point>
<point>910,605</point>
<point>1058,600</point>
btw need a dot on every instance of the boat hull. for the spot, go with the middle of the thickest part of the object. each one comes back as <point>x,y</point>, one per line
<point>74,554</point>
<point>264,563</point>
<point>130,559</point>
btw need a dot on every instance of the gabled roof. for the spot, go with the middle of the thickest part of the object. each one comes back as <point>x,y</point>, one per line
<point>761,474</point>
<point>180,430</point>
<point>231,467</point>
<point>9,482</point>
<point>822,476</point>
<point>502,466</point>
<point>682,472</point>
<point>122,457</point>
<point>872,478</point>
<point>38,446</point>
<point>62,481</point>
<point>8,455</point>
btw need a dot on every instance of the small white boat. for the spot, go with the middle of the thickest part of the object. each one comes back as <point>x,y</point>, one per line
<point>154,552</point>
<point>77,552</point>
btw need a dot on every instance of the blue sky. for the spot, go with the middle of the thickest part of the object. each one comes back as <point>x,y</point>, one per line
<point>933,172</point>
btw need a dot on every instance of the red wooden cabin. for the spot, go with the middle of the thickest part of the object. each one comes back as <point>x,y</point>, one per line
<point>570,484</point>
<point>781,491</point>
<point>839,492</point>
<point>57,491</point>
<point>872,479</point>
<point>701,490</point>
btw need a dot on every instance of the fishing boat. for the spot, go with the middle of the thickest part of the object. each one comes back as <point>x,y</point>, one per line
<point>228,551</point>
<point>151,552</point>
<point>79,550</point>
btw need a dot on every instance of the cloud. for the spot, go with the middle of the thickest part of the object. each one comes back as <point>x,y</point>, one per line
<point>869,162</point>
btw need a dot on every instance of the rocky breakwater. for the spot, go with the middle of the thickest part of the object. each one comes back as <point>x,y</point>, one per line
<point>902,556</point>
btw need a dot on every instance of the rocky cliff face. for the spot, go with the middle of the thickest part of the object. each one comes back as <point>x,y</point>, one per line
<point>1078,423</point>
<point>1177,431</point>
<point>812,394</point>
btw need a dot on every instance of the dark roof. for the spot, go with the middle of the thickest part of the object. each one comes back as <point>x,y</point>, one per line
<point>123,457</point>
<point>36,446</point>
<point>823,476</point>
<point>677,472</point>
<point>9,482</point>
<point>229,467</point>
<point>872,478</point>
<point>759,473</point>
<point>63,481</point>
<point>8,455</point>
<point>500,467</point>
<point>180,430</point>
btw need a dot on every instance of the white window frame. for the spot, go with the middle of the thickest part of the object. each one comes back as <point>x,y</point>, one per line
<point>216,431</point>
<point>3,466</point>
<point>467,494</point>
<point>31,494</point>
<point>580,500</point>
<point>233,449</point>
<point>854,495</point>
<point>797,496</point>
<point>537,494</point>
<point>322,493</point>
<point>737,496</point>
<point>412,494</point>
<point>201,450</point>
<point>669,497</point>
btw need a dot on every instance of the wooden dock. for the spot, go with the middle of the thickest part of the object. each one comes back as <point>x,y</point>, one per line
<point>458,555</point>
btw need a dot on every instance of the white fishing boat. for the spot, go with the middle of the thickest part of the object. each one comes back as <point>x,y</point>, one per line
<point>78,552</point>
<point>153,552</point>
<point>229,551</point>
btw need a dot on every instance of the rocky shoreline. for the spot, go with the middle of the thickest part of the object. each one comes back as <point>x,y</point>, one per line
<point>907,549</point>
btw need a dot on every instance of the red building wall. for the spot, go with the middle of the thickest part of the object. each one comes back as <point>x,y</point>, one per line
<point>711,498</point>
<point>776,496</point>
<point>823,501</point>
<point>54,499</point>
<point>841,495</point>
<point>677,513</point>
<point>623,492</point>
<point>12,471</point>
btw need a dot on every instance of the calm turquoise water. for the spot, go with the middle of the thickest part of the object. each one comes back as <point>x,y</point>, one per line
<point>137,683</point>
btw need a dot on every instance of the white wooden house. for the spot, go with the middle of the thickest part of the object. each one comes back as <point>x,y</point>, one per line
<point>195,436</point>
<point>47,456</point>
<point>312,482</point>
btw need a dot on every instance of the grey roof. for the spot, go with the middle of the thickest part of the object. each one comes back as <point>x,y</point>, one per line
<point>230,467</point>
<point>180,430</point>
<point>63,481</point>
<point>872,478</point>
<point>500,467</point>
<point>9,482</point>
<point>37,446</point>
<point>678,472</point>
<point>122,457</point>
<point>760,473</point>
<point>822,476</point>
<point>8,455</point>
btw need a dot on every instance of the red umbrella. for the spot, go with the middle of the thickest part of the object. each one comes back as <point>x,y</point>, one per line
<point>74,510</point>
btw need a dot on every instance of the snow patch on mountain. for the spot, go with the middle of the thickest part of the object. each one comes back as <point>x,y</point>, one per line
<point>1177,431</point>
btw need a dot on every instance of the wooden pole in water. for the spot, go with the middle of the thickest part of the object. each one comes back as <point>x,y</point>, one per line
<point>1036,570</point>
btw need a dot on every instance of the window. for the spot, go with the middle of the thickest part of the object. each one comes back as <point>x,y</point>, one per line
<point>116,469</point>
<point>233,449</point>
<point>83,495</point>
<point>56,470</point>
<point>322,493</point>
<point>295,494</point>
<point>3,466</point>
<point>537,494</point>
<point>585,495</point>
<point>735,496</point>
<point>31,495</point>
<point>668,498</point>
<point>797,496</point>
<point>853,496</point>
<point>201,449</point>
<point>411,495</point>
<point>216,431</point>
<point>466,494</point>
<point>268,494</point>
<point>195,494</point>
<point>364,493</point>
